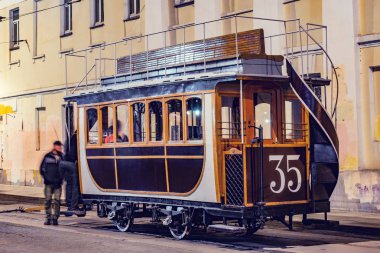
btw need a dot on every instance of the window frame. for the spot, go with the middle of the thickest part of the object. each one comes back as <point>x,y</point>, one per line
<point>100,127</point>
<point>183,3</point>
<point>184,105</point>
<point>163,120</point>
<point>166,100</point>
<point>130,133</point>
<point>14,44</point>
<point>96,107</point>
<point>67,6</point>
<point>249,111</point>
<point>285,97</point>
<point>228,94</point>
<point>94,22</point>
<point>132,127</point>
<point>131,15</point>
<point>373,102</point>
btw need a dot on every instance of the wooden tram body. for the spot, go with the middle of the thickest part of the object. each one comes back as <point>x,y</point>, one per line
<point>186,150</point>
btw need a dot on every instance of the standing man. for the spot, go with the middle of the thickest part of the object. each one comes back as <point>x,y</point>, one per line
<point>52,175</point>
<point>70,167</point>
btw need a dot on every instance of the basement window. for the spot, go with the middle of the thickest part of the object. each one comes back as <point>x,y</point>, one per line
<point>182,3</point>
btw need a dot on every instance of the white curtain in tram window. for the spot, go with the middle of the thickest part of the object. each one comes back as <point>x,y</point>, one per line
<point>122,123</point>
<point>263,113</point>
<point>293,119</point>
<point>92,126</point>
<point>230,121</point>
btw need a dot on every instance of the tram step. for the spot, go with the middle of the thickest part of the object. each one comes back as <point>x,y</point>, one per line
<point>226,229</point>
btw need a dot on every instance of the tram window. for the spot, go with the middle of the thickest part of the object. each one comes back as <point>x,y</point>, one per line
<point>92,126</point>
<point>122,123</point>
<point>230,124</point>
<point>263,113</point>
<point>107,124</point>
<point>293,119</point>
<point>175,120</point>
<point>194,118</point>
<point>138,122</point>
<point>155,121</point>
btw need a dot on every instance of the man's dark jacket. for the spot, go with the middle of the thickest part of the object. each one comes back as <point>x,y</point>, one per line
<point>50,170</point>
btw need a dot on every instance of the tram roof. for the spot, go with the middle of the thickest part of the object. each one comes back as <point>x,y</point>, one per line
<point>165,86</point>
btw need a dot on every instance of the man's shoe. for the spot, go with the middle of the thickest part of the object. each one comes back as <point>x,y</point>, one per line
<point>47,222</point>
<point>55,222</point>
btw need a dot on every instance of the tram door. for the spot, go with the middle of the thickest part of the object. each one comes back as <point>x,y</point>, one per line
<point>284,163</point>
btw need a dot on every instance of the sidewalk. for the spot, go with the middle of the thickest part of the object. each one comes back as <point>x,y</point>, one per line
<point>22,193</point>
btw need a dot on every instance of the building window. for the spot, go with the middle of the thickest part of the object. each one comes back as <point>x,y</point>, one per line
<point>375,102</point>
<point>14,28</point>
<point>175,120</point>
<point>194,118</point>
<point>182,3</point>
<point>138,122</point>
<point>155,121</point>
<point>132,8</point>
<point>263,113</point>
<point>293,126</point>
<point>230,120</point>
<point>67,17</point>
<point>107,124</point>
<point>98,13</point>
<point>122,123</point>
<point>92,126</point>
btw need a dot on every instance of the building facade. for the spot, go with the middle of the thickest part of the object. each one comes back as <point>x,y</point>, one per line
<point>37,34</point>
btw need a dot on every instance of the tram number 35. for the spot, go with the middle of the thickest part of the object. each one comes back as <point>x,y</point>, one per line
<point>293,187</point>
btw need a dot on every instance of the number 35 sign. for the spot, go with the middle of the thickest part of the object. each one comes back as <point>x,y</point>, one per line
<point>284,174</point>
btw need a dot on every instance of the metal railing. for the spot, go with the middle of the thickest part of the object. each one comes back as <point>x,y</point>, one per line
<point>291,40</point>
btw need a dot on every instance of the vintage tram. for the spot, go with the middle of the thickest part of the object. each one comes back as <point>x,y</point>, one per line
<point>240,142</point>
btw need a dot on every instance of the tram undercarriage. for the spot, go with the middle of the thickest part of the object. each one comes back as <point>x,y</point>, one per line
<point>182,219</point>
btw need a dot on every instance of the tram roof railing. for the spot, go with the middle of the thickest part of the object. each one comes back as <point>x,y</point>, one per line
<point>291,40</point>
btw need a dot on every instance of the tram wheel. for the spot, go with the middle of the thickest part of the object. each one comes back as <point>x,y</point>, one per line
<point>124,225</point>
<point>179,231</point>
<point>252,228</point>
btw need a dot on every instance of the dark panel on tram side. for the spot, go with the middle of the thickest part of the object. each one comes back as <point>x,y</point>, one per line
<point>142,174</point>
<point>185,150</point>
<point>103,172</point>
<point>100,152</point>
<point>140,151</point>
<point>184,174</point>
<point>279,161</point>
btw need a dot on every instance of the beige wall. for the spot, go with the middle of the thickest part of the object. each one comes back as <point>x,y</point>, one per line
<point>349,22</point>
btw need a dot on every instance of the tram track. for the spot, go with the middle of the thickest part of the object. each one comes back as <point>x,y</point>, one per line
<point>275,236</point>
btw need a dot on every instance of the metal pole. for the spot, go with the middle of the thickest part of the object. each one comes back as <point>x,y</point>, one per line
<point>241,112</point>
<point>66,75</point>
<point>307,50</point>
<point>147,57</point>
<point>286,40</point>
<point>100,64</point>
<point>115,61</point>
<point>261,139</point>
<point>301,52</point>
<point>130,61</point>
<point>85,68</point>
<point>204,47</point>
<point>165,52</point>
<point>236,45</point>
<point>292,46</point>
<point>184,50</point>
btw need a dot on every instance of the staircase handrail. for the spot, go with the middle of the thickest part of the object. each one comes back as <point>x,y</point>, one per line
<point>332,66</point>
